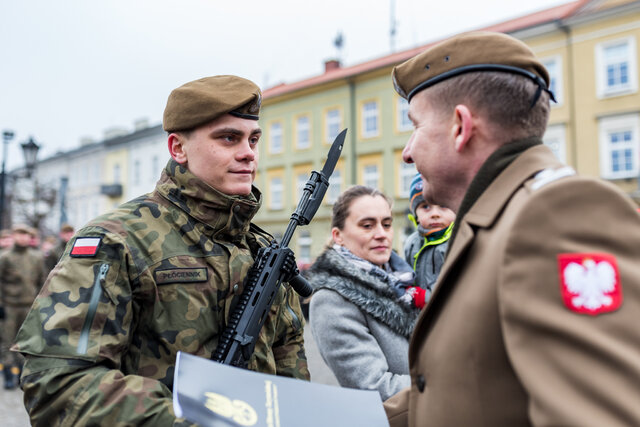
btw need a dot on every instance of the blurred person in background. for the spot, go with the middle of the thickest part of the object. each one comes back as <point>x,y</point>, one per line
<point>425,248</point>
<point>6,239</point>
<point>55,253</point>
<point>21,276</point>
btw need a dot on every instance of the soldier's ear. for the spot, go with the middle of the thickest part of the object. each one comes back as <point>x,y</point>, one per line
<point>176,144</point>
<point>462,126</point>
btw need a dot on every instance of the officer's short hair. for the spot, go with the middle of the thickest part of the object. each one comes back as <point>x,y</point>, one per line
<point>497,74</point>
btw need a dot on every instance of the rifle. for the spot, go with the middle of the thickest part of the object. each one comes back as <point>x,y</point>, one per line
<point>274,264</point>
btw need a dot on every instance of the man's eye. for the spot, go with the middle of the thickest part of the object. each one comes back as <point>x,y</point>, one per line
<point>386,225</point>
<point>254,140</point>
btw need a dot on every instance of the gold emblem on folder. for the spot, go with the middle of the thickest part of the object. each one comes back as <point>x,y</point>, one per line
<point>237,410</point>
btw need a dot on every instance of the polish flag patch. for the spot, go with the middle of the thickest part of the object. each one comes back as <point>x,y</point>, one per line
<point>590,282</point>
<point>85,246</point>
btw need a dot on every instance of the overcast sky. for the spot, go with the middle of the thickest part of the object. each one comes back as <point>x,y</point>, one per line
<point>73,68</point>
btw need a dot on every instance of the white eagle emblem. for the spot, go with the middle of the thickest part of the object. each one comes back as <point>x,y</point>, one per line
<point>590,283</point>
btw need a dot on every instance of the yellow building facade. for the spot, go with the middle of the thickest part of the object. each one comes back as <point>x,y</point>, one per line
<point>590,49</point>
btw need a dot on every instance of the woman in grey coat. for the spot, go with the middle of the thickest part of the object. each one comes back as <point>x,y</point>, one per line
<point>359,321</point>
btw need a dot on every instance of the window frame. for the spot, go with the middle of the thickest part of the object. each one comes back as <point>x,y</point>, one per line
<point>559,133</point>
<point>308,130</point>
<point>606,127</point>
<point>272,134</point>
<point>366,115</point>
<point>401,106</point>
<point>603,90</point>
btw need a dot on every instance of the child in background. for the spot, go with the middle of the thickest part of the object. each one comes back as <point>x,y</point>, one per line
<point>425,249</point>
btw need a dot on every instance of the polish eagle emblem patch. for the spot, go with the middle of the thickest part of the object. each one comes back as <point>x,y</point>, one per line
<point>590,282</point>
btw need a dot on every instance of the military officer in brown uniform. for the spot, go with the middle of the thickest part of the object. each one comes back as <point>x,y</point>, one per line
<point>535,316</point>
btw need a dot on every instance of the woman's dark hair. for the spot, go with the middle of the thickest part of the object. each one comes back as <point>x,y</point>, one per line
<point>342,205</point>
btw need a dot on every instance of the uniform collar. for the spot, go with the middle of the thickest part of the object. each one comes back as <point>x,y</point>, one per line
<point>224,213</point>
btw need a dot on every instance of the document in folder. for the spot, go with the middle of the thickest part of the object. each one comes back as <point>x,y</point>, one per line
<point>212,394</point>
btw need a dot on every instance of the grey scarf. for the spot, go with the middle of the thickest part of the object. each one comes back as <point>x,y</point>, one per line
<point>370,292</point>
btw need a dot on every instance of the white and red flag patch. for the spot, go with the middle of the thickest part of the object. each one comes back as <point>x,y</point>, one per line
<point>590,282</point>
<point>85,246</point>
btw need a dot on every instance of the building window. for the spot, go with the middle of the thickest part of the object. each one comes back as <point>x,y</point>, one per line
<point>275,193</point>
<point>370,126</point>
<point>402,109</point>
<point>275,138</point>
<point>619,146</point>
<point>554,138</point>
<point>304,248</point>
<point>335,186</point>
<point>303,139</point>
<point>332,123</point>
<point>616,67</point>
<point>407,172</point>
<point>371,176</point>
<point>554,67</point>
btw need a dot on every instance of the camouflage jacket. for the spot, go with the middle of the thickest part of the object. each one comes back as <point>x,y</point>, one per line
<point>21,276</point>
<point>106,328</point>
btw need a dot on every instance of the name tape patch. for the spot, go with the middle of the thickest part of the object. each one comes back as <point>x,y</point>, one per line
<point>85,247</point>
<point>181,275</point>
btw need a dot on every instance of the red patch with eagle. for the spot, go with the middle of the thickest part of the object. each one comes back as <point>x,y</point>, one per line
<point>590,282</point>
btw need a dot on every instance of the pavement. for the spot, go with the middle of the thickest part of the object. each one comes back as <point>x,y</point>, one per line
<point>13,414</point>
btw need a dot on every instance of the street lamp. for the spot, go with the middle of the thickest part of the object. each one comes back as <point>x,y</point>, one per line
<point>7,136</point>
<point>30,151</point>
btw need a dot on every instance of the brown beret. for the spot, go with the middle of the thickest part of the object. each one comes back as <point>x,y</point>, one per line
<point>21,228</point>
<point>200,101</point>
<point>476,51</point>
<point>66,227</point>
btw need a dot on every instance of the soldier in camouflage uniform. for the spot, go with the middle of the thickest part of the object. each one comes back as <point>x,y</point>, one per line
<point>159,275</point>
<point>21,276</point>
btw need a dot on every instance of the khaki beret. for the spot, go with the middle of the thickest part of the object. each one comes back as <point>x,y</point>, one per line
<point>66,228</point>
<point>21,228</point>
<point>201,101</point>
<point>475,51</point>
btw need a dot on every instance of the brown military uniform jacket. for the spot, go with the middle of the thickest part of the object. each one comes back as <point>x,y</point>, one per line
<point>497,345</point>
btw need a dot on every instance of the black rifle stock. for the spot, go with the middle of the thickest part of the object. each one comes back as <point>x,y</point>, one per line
<point>273,265</point>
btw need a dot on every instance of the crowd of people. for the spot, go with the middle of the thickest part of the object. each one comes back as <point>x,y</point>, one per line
<point>511,305</point>
<point>25,262</point>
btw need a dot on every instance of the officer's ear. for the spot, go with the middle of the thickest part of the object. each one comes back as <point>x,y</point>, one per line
<point>176,143</point>
<point>463,126</point>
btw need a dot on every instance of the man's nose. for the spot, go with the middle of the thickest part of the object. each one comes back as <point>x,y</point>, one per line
<point>246,152</point>
<point>406,152</point>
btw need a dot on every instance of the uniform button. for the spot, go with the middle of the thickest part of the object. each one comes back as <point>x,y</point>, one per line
<point>235,288</point>
<point>236,208</point>
<point>420,383</point>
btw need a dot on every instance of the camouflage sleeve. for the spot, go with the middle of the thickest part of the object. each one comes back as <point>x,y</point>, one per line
<point>75,338</point>
<point>288,348</point>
